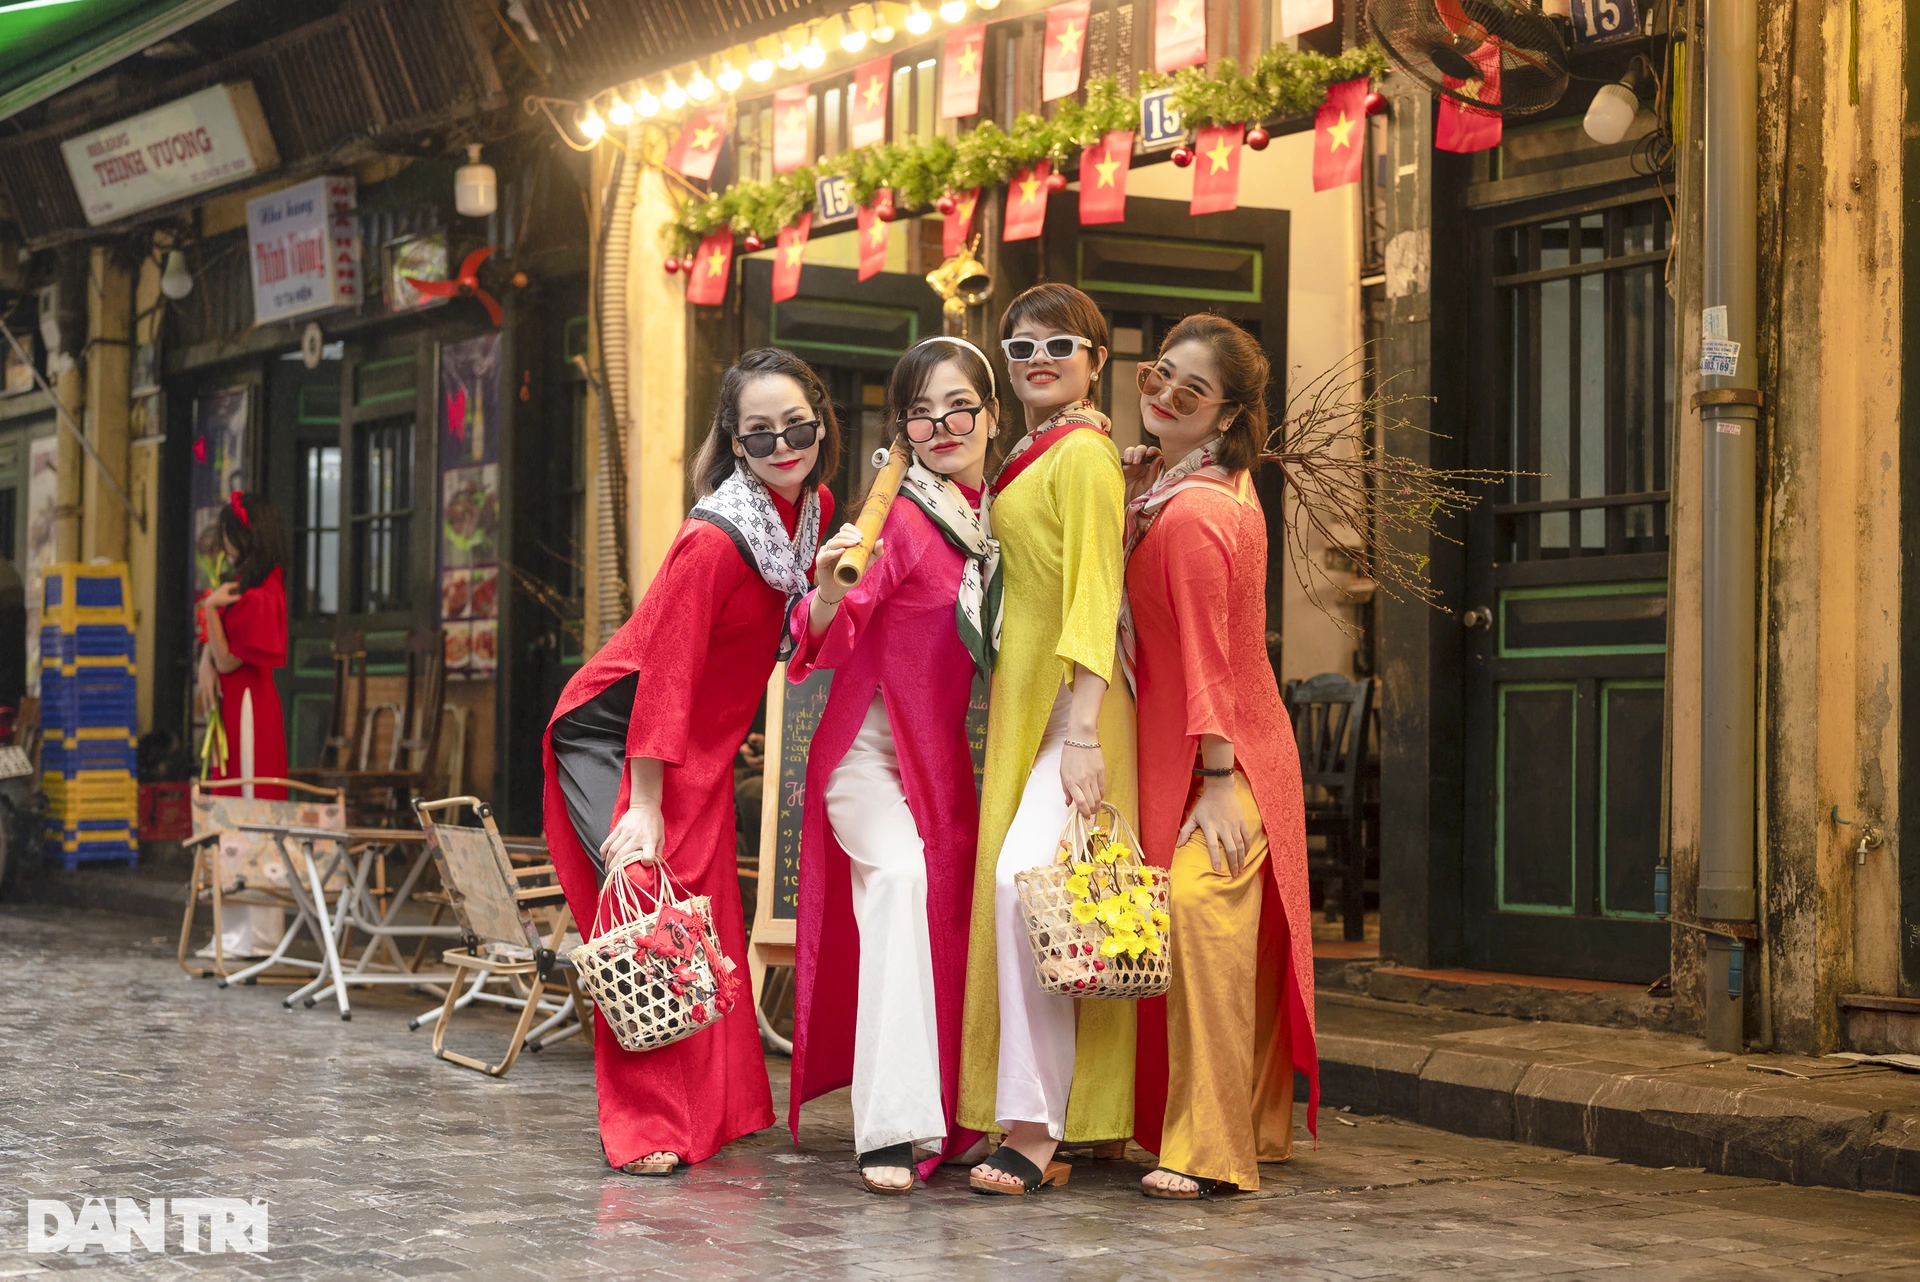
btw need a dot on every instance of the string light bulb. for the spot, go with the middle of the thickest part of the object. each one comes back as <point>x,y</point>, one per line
<point>591,126</point>
<point>699,88</point>
<point>813,55</point>
<point>730,78</point>
<point>647,104</point>
<point>883,29</point>
<point>919,21</point>
<point>789,54</point>
<point>619,110</point>
<point>986,5</point>
<point>853,40</point>
<point>673,97</point>
<point>953,10</point>
<point>760,66</point>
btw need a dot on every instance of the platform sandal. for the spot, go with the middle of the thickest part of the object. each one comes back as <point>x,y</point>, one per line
<point>895,1155</point>
<point>1205,1189</point>
<point>1011,1161</point>
<point>665,1166</point>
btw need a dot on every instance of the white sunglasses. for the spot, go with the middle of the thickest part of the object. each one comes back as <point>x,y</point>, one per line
<point>1059,347</point>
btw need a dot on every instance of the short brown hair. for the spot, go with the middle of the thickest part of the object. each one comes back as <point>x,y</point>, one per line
<point>1244,371</point>
<point>1066,309</point>
<point>717,461</point>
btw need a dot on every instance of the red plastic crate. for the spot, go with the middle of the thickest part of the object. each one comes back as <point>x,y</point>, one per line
<point>166,811</point>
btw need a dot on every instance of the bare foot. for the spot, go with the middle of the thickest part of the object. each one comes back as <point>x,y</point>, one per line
<point>652,1164</point>
<point>1031,1141</point>
<point>1166,1181</point>
<point>890,1177</point>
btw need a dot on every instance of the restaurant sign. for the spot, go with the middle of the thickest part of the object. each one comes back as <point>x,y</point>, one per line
<point>192,144</point>
<point>305,249</point>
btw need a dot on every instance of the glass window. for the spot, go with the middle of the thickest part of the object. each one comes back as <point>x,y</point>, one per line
<point>383,515</point>
<point>316,533</point>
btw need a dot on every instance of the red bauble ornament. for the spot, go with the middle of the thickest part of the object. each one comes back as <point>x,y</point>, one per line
<point>1182,157</point>
<point>1056,181</point>
<point>1376,103</point>
<point>946,205</point>
<point>687,264</point>
<point>884,212</point>
<point>753,243</point>
<point>672,265</point>
<point>1258,138</point>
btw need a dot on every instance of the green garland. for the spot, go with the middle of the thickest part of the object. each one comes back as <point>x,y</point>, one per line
<point>1280,84</point>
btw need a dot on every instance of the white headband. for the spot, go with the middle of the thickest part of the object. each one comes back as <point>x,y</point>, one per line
<point>993,386</point>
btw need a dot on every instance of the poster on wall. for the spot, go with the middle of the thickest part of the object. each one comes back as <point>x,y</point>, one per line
<point>219,467</point>
<point>43,499</point>
<point>470,421</point>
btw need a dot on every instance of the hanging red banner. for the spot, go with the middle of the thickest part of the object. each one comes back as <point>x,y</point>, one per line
<point>959,223</point>
<point>712,265</point>
<point>867,102</point>
<point>1463,129</point>
<point>698,147</point>
<point>960,66</point>
<point>1103,179</point>
<point>1304,15</point>
<point>873,239</point>
<point>1026,202</point>
<point>1066,43</point>
<point>1216,169</point>
<point>789,249</point>
<point>1340,135</point>
<point>789,128</point>
<point>1179,34</point>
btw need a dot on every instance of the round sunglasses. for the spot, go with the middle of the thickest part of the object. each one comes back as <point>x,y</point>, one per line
<point>1183,400</point>
<point>958,422</point>
<point>798,436</point>
<point>1059,347</point>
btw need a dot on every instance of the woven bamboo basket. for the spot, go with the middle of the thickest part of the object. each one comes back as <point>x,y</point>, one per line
<point>1070,957</point>
<point>657,974</point>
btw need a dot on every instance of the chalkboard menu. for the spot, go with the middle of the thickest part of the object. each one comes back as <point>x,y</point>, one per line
<point>789,740</point>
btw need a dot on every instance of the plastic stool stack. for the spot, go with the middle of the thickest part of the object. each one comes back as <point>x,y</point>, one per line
<point>87,714</point>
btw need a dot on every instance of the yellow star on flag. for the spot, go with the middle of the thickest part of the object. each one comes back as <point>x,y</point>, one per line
<point>716,262</point>
<point>1028,186</point>
<point>1341,131</point>
<point>793,249</point>
<point>703,137</point>
<point>1220,155</point>
<point>796,119</point>
<point>1183,14</point>
<point>873,91</point>
<point>1069,41</point>
<point>1105,166</point>
<point>877,234</point>
<point>966,207</point>
<point>966,59</point>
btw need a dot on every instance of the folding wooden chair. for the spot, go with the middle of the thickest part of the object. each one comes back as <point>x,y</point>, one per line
<point>495,903</point>
<point>1331,717</point>
<point>231,867</point>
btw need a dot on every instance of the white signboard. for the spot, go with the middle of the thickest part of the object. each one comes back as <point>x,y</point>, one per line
<point>305,250</point>
<point>206,140</point>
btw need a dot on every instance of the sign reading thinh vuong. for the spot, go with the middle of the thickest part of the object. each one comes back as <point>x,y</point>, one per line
<point>305,249</point>
<point>193,144</point>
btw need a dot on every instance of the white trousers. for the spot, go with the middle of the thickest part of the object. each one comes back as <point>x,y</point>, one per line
<point>896,1040</point>
<point>1036,1028</point>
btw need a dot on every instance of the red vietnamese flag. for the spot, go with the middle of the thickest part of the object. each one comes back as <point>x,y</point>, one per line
<point>1216,169</point>
<point>789,129</point>
<point>1179,34</point>
<point>1060,57</point>
<point>1103,179</point>
<point>867,102</point>
<point>873,239</point>
<point>960,66</point>
<point>698,146</point>
<point>789,249</point>
<point>1340,134</point>
<point>1464,129</point>
<point>712,266</point>
<point>1304,15</point>
<point>954,231</point>
<point>1026,202</point>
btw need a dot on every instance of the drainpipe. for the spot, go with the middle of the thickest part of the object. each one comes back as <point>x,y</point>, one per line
<point>1729,406</point>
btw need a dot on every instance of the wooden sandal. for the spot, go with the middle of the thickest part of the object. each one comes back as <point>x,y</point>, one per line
<point>640,1166</point>
<point>1099,1150</point>
<point>1011,1161</point>
<point>896,1155</point>
<point>1206,1187</point>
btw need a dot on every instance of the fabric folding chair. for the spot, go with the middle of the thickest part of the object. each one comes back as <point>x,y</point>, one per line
<point>236,868</point>
<point>495,903</point>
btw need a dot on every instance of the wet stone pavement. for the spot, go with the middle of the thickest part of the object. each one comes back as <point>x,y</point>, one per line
<point>120,1077</point>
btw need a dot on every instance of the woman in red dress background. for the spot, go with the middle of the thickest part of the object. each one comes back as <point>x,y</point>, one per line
<point>245,621</point>
<point>639,752</point>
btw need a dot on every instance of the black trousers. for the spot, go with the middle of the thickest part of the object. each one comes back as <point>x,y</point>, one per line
<point>590,755</point>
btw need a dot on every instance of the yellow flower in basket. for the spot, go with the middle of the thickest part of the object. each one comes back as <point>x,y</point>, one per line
<point>1160,919</point>
<point>1152,945</point>
<point>1084,912</point>
<point>1082,867</point>
<point>1077,886</point>
<point>1142,896</point>
<point>1111,947</point>
<point>1107,853</point>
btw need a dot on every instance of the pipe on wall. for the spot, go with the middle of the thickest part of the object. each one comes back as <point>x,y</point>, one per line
<point>610,478</point>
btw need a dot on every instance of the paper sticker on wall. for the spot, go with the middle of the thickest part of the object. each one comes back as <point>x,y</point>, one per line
<point>1719,357</point>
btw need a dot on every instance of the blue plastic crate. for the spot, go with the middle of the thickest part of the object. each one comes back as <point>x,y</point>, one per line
<point>87,755</point>
<point>89,640</point>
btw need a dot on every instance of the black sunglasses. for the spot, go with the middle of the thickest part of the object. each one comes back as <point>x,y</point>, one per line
<point>958,422</point>
<point>798,436</point>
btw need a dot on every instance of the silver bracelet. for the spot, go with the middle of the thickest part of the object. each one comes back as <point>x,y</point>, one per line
<point>1075,743</point>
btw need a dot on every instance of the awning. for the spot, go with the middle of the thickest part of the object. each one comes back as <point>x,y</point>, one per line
<point>47,45</point>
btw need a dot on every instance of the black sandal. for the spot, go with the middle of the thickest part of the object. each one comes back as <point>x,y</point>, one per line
<point>896,1155</point>
<point>1205,1189</point>
<point>1011,1161</point>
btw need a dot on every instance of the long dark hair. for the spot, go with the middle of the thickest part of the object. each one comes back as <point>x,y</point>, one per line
<point>260,539</point>
<point>1243,381</point>
<point>910,376</point>
<point>717,461</point>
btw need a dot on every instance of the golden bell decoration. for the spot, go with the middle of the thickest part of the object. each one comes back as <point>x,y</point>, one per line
<point>962,281</point>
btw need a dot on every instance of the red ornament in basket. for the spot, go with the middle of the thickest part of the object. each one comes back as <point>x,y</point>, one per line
<point>656,971</point>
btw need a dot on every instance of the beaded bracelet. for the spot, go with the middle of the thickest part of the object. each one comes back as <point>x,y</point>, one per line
<point>1210,772</point>
<point>1075,743</point>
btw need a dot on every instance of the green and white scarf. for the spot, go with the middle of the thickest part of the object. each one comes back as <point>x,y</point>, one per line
<point>977,609</point>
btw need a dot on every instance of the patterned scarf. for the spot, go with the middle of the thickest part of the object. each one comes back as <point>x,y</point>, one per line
<point>743,509</point>
<point>977,608</point>
<point>1028,449</point>
<point>1197,468</point>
